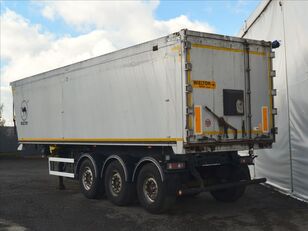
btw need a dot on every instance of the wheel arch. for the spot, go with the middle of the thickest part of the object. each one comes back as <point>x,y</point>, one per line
<point>114,158</point>
<point>81,159</point>
<point>144,161</point>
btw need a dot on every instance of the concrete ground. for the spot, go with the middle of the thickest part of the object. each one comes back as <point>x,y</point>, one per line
<point>29,200</point>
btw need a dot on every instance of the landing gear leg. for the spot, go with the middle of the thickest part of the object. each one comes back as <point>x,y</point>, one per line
<point>61,184</point>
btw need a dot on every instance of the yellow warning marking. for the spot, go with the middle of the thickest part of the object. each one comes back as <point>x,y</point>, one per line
<point>189,94</point>
<point>100,139</point>
<point>188,72</point>
<point>189,99</point>
<point>204,84</point>
<point>189,77</point>
<point>229,132</point>
<point>176,48</point>
<point>190,121</point>
<point>198,118</point>
<point>269,66</point>
<point>264,119</point>
<point>188,55</point>
<point>196,45</point>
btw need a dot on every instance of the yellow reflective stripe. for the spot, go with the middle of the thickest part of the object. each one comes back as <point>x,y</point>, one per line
<point>190,121</point>
<point>198,120</point>
<point>270,89</point>
<point>264,119</point>
<point>197,45</point>
<point>229,132</point>
<point>189,95</point>
<point>257,53</point>
<point>189,100</point>
<point>176,48</point>
<point>103,139</point>
<point>188,58</point>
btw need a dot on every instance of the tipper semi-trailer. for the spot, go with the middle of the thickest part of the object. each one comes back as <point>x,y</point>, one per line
<point>154,121</point>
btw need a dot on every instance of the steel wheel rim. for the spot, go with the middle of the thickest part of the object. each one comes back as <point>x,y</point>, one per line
<point>116,183</point>
<point>150,189</point>
<point>87,178</point>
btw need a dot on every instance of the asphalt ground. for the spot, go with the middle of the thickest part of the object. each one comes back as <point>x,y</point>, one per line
<point>30,200</point>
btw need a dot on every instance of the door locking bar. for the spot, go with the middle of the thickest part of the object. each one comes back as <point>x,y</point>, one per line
<point>223,124</point>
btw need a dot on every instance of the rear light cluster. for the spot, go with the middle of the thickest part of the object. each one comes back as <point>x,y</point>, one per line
<point>177,165</point>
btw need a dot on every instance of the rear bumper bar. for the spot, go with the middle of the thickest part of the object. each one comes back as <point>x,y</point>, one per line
<point>221,186</point>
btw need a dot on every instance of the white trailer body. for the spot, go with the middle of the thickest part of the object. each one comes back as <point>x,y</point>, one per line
<point>155,118</point>
<point>170,91</point>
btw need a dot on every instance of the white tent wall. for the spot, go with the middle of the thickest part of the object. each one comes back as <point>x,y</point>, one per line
<point>286,165</point>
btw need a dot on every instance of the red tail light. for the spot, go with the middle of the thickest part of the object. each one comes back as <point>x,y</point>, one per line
<point>178,165</point>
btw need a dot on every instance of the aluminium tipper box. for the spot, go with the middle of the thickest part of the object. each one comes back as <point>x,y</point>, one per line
<point>189,90</point>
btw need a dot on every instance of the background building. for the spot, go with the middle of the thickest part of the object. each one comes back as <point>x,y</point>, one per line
<point>286,165</point>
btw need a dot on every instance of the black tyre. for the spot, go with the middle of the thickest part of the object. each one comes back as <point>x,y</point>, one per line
<point>234,193</point>
<point>152,193</point>
<point>90,185</point>
<point>118,191</point>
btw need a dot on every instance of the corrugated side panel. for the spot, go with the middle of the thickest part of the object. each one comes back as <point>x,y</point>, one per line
<point>133,96</point>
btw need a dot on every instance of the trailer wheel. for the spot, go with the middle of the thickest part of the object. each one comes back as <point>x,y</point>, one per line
<point>90,185</point>
<point>152,191</point>
<point>118,191</point>
<point>234,193</point>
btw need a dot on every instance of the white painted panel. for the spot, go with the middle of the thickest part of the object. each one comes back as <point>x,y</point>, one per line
<point>58,159</point>
<point>286,164</point>
<point>223,61</point>
<point>132,95</point>
<point>65,174</point>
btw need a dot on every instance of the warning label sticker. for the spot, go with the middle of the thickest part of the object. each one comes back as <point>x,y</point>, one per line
<point>204,84</point>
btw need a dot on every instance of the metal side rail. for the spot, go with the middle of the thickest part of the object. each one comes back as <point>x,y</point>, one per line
<point>57,166</point>
<point>221,186</point>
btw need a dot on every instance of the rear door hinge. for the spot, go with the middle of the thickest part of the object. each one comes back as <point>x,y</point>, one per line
<point>187,45</point>
<point>189,88</point>
<point>190,133</point>
<point>188,66</point>
<point>189,111</point>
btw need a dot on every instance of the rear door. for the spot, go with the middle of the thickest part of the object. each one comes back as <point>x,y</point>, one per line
<point>231,89</point>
